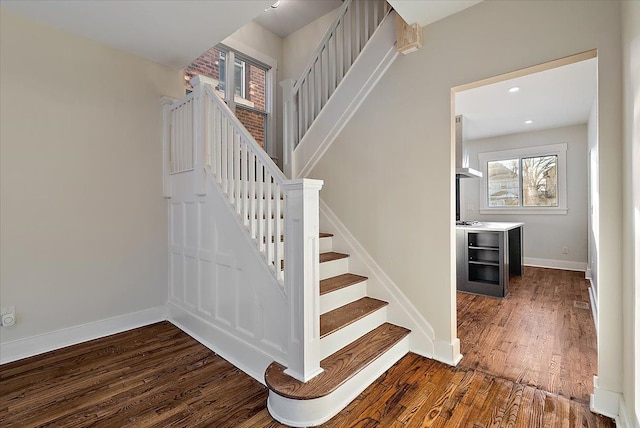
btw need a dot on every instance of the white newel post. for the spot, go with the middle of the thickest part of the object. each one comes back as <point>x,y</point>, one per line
<point>166,144</point>
<point>289,113</point>
<point>200,174</point>
<point>302,276</point>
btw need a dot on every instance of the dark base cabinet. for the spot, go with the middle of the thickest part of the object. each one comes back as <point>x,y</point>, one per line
<point>485,259</point>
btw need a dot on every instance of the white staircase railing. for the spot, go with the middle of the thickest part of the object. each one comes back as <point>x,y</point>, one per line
<point>338,50</point>
<point>281,216</point>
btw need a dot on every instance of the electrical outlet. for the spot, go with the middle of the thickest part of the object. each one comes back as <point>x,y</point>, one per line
<point>8,316</point>
<point>565,250</point>
<point>6,310</point>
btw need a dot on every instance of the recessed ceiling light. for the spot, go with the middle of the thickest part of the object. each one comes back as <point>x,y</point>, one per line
<point>514,89</point>
<point>276,4</point>
<point>528,122</point>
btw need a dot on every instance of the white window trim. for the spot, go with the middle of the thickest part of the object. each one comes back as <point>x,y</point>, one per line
<point>271,83</point>
<point>559,150</point>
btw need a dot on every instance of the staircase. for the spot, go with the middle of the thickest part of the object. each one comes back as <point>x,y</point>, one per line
<point>251,276</point>
<point>357,344</point>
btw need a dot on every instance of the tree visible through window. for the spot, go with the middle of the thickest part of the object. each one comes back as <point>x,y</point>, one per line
<point>540,181</point>
<point>531,179</point>
<point>527,182</point>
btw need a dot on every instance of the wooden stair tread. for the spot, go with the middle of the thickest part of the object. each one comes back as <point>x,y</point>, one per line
<point>338,367</point>
<point>343,316</point>
<point>325,235</point>
<point>332,255</point>
<point>341,281</point>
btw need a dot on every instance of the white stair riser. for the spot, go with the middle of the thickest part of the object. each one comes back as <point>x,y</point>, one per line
<point>307,413</point>
<point>343,296</point>
<point>326,244</point>
<point>334,268</point>
<point>341,338</point>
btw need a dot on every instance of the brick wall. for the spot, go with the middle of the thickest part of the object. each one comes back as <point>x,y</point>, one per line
<point>253,121</point>
<point>208,64</point>
<point>256,82</point>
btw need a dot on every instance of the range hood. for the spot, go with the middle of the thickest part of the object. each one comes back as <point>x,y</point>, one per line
<point>462,158</point>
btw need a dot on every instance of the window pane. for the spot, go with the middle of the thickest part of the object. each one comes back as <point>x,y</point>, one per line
<point>239,78</point>
<point>503,183</point>
<point>540,181</point>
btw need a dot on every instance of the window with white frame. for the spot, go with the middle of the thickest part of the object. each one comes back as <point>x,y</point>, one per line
<point>531,180</point>
<point>239,75</point>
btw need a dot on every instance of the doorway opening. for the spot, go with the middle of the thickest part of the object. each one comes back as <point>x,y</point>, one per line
<point>532,134</point>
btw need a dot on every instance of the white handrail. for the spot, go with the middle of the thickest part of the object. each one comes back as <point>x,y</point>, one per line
<point>281,216</point>
<point>341,45</point>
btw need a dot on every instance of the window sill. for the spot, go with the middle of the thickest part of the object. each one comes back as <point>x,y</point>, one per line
<point>535,211</point>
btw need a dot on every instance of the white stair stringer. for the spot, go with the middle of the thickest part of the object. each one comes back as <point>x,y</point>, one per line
<point>313,412</point>
<point>400,310</point>
<point>374,60</point>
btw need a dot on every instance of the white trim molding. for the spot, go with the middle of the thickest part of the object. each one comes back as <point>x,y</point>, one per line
<point>610,404</point>
<point>34,345</point>
<point>447,352</point>
<point>556,264</point>
<point>593,298</point>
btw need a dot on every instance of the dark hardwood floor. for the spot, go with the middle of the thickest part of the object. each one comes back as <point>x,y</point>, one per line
<point>519,370</point>
<point>542,335</point>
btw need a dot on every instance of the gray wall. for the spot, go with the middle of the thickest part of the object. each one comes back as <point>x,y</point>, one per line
<point>544,234</point>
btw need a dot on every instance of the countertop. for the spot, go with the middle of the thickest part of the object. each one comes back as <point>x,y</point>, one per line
<point>492,226</point>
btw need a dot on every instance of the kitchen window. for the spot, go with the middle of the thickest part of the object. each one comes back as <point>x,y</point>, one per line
<point>529,180</point>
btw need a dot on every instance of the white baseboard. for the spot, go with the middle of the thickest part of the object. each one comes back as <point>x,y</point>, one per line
<point>624,419</point>
<point>446,352</point>
<point>610,404</point>
<point>400,310</point>
<point>556,264</point>
<point>588,274</point>
<point>34,345</point>
<point>594,305</point>
<point>241,354</point>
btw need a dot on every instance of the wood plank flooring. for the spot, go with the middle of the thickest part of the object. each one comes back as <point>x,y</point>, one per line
<point>157,376</point>
<point>542,335</point>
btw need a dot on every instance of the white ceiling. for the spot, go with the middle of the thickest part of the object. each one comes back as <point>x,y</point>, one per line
<point>172,33</point>
<point>553,98</point>
<point>424,12</point>
<point>291,15</point>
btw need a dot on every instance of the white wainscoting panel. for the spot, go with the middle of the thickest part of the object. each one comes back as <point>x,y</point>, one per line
<point>221,288</point>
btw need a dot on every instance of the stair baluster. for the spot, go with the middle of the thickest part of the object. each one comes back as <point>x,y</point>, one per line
<point>280,216</point>
<point>305,98</point>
